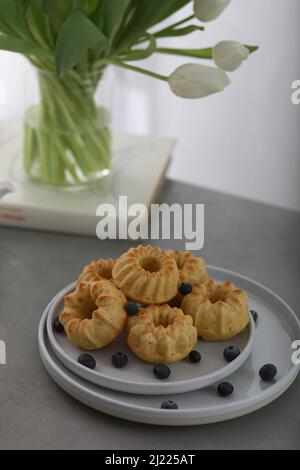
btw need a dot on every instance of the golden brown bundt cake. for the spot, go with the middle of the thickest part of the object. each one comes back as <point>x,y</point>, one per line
<point>94,314</point>
<point>219,311</point>
<point>147,275</point>
<point>97,270</point>
<point>161,334</point>
<point>191,269</point>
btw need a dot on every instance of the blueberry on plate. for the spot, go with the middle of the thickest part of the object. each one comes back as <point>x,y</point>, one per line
<point>87,360</point>
<point>161,371</point>
<point>254,315</point>
<point>185,288</point>
<point>57,326</point>
<point>169,405</point>
<point>225,389</point>
<point>267,372</point>
<point>119,360</point>
<point>231,353</point>
<point>132,308</point>
<point>195,356</point>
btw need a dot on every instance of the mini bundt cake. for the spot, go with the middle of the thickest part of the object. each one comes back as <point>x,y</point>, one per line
<point>94,314</point>
<point>191,269</point>
<point>147,275</point>
<point>161,334</point>
<point>219,311</point>
<point>97,270</point>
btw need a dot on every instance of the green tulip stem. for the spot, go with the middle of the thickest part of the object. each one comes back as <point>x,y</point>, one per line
<point>67,137</point>
<point>168,28</point>
<point>139,70</point>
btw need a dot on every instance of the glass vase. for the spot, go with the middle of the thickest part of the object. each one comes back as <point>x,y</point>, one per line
<point>67,128</point>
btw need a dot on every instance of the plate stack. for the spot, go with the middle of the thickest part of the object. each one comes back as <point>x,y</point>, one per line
<point>134,393</point>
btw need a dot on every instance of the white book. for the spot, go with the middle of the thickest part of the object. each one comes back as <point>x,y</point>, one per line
<point>138,171</point>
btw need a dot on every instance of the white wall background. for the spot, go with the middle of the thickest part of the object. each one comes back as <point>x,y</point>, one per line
<point>244,141</point>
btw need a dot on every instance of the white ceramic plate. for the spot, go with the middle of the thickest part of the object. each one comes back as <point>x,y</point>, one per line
<point>137,376</point>
<point>276,329</point>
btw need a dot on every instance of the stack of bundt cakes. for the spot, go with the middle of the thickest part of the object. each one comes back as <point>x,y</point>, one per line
<point>153,281</point>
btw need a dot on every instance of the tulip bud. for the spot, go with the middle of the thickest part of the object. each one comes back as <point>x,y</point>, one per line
<point>197,81</point>
<point>229,55</point>
<point>209,10</point>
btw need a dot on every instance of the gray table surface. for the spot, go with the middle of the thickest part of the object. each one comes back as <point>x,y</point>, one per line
<point>257,240</point>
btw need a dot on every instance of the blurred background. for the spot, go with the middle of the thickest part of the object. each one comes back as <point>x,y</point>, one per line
<point>244,141</point>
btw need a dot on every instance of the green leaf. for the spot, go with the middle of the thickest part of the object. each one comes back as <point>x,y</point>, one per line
<point>197,53</point>
<point>9,10</point>
<point>42,4</point>
<point>23,6</point>
<point>91,6</point>
<point>142,54</point>
<point>58,11</point>
<point>39,25</point>
<point>154,12</point>
<point>147,14</point>
<point>110,16</point>
<point>251,49</point>
<point>78,4</point>
<point>171,32</point>
<point>77,36</point>
<point>5,29</point>
<point>113,15</point>
<point>13,44</point>
<point>206,53</point>
<point>12,15</point>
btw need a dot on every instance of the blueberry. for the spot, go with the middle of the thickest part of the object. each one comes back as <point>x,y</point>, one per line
<point>119,360</point>
<point>57,326</point>
<point>169,405</point>
<point>254,315</point>
<point>161,371</point>
<point>132,308</point>
<point>185,288</point>
<point>87,360</point>
<point>231,353</point>
<point>225,389</point>
<point>268,372</point>
<point>195,357</point>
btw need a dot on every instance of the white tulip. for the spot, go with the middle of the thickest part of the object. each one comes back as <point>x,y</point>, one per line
<point>229,55</point>
<point>209,10</point>
<point>197,81</point>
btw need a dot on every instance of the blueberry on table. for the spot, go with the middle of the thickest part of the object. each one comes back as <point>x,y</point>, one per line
<point>267,372</point>
<point>225,389</point>
<point>132,308</point>
<point>87,360</point>
<point>254,315</point>
<point>169,405</point>
<point>195,356</point>
<point>57,326</point>
<point>161,371</point>
<point>185,288</point>
<point>119,360</point>
<point>231,353</point>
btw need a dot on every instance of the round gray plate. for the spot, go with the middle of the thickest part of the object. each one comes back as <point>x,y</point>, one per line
<point>276,329</point>
<point>137,376</point>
